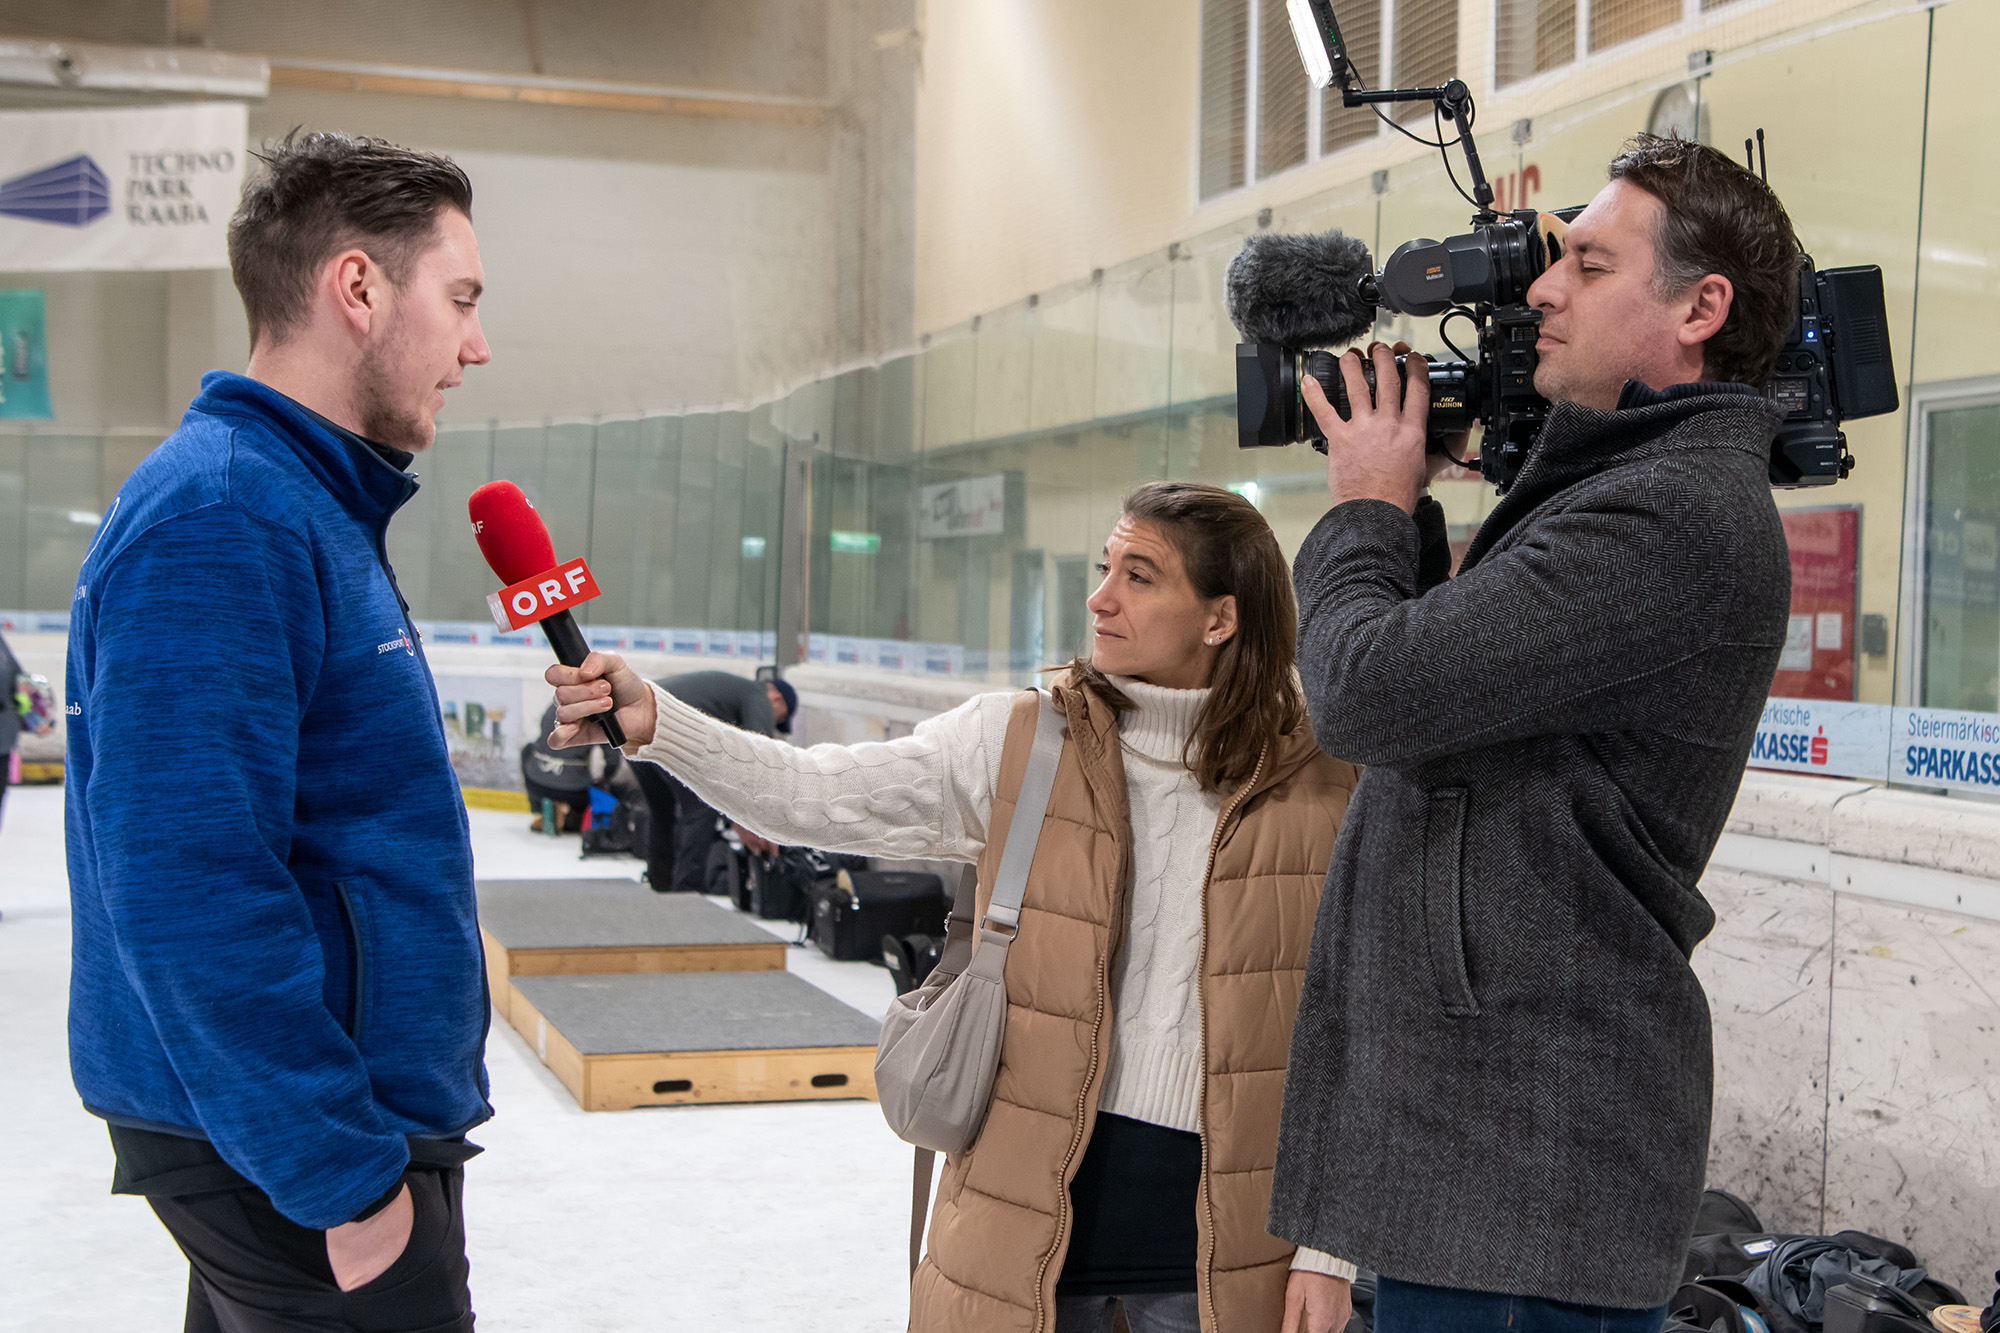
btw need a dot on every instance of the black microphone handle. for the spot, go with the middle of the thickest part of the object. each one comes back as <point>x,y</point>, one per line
<point>570,648</point>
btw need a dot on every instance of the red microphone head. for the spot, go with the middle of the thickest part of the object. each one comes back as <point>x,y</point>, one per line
<point>510,533</point>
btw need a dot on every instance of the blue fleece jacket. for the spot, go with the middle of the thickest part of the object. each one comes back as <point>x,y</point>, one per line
<point>270,871</point>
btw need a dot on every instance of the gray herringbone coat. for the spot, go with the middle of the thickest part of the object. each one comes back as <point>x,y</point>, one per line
<point>1500,1075</point>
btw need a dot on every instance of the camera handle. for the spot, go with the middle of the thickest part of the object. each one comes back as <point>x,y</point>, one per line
<point>1454,101</point>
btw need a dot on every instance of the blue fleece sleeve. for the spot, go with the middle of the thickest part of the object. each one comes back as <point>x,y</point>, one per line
<point>209,635</point>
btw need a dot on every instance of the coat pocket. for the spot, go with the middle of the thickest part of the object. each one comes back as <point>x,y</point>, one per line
<point>354,920</point>
<point>1444,900</point>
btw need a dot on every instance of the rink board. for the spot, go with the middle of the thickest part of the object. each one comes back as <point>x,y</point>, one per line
<point>666,1038</point>
<point>582,927</point>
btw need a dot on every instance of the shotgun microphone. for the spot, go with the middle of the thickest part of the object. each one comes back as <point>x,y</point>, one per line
<point>515,542</point>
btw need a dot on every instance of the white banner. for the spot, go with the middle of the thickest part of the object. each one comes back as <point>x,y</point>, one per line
<point>1940,747</point>
<point>975,507</point>
<point>1826,737</point>
<point>148,188</point>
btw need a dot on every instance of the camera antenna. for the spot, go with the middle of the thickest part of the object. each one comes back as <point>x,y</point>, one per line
<point>1755,159</point>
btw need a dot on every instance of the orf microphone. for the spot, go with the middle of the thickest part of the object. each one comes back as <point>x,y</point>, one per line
<point>516,544</point>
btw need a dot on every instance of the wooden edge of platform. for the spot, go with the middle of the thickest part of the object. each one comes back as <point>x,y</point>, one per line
<point>499,986</point>
<point>575,962</point>
<point>669,1078</point>
<point>551,1048</point>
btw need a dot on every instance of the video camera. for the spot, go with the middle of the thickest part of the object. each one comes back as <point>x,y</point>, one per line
<point>1290,295</point>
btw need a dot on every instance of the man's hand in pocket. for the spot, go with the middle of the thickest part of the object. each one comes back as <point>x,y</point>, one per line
<point>360,1252</point>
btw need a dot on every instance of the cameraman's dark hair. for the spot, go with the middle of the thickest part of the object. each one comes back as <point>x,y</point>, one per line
<point>1254,697</point>
<point>1720,218</point>
<point>320,193</point>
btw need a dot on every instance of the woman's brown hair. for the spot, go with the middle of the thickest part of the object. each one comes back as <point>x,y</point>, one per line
<point>1227,549</point>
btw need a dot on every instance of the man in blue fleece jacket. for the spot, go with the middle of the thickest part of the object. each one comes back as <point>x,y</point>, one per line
<point>277,1000</point>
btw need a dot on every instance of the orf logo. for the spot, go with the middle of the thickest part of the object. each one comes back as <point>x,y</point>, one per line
<point>70,194</point>
<point>519,605</point>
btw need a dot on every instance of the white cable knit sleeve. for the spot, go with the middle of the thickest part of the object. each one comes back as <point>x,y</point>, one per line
<point>1319,1261</point>
<point>925,795</point>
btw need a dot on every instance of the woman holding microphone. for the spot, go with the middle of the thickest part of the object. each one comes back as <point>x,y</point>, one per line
<point>1126,1156</point>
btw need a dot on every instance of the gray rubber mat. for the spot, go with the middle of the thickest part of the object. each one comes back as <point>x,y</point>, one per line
<point>694,1011</point>
<point>605,914</point>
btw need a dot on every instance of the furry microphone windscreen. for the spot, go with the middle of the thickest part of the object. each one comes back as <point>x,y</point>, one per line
<point>1300,291</point>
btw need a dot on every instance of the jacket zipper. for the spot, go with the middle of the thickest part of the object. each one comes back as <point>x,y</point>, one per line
<point>1204,1276</point>
<point>437,720</point>
<point>1042,1321</point>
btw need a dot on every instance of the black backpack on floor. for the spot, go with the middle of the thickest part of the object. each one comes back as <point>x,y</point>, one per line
<point>851,914</point>
<point>623,832</point>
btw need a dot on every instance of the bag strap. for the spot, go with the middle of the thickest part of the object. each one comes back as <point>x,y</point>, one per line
<point>1003,912</point>
<point>920,1204</point>
<point>1010,882</point>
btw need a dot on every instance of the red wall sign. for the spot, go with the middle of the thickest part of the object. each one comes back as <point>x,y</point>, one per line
<point>520,605</point>
<point>1818,661</point>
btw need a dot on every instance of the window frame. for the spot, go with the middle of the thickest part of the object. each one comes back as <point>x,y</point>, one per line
<point>1692,21</point>
<point>1315,103</point>
<point>1911,605</point>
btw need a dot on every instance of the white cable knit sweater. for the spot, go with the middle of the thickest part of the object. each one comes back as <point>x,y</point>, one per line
<point>927,795</point>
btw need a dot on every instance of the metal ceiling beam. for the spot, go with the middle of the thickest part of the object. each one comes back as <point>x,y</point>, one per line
<point>351,77</point>
<point>188,70</point>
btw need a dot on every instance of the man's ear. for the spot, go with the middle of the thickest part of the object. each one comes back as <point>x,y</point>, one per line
<point>355,279</point>
<point>1708,303</point>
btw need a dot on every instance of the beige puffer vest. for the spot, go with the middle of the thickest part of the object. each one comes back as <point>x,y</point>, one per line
<point>1001,1223</point>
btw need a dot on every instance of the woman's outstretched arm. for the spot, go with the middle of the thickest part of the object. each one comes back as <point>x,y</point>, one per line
<point>926,795</point>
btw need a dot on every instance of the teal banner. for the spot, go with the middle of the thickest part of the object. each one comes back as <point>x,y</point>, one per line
<point>24,357</point>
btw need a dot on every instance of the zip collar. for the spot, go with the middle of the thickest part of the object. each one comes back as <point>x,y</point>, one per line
<point>1579,442</point>
<point>364,483</point>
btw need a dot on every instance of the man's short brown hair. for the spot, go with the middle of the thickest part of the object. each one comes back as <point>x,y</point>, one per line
<point>1719,217</point>
<point>321,193</point>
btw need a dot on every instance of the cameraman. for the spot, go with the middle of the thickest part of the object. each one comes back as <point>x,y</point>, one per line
<point>1499,1086</point>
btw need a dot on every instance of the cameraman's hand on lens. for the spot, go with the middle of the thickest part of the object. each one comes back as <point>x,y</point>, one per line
<point>584,692</point>
<point>1378,452</point>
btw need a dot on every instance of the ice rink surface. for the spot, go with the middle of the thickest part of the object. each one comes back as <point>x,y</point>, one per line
<point>785,1216</point>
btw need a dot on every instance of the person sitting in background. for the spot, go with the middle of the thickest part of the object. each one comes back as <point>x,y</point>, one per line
<point>1126,1156</point>
<point>11,720</point>
<point>683,826</point>
<point>563,779</point>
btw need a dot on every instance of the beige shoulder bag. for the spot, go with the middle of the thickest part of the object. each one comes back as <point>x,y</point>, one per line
<point>940,1044</point>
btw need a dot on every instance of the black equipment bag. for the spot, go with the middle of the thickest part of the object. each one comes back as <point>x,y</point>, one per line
<point>624,832</point>
<point>1792,1283</point>
<point>1723,1214</point>
<point>728,872</point>
<point>911,958</point>
<point>777,887</point>
<point>1864,1304</point>
<point>852,914</point>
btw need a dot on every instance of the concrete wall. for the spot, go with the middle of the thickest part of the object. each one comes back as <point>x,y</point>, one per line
<point>1857,1021</point>
<point>635,260</point>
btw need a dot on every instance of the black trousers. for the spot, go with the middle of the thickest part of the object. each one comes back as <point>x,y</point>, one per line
<point>577,801</point>
<point>683,829</point>
<point>254,1270</point>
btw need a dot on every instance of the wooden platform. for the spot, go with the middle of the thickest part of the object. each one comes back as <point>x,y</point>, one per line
<point>582,927</point>
<point>655,1039</point>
